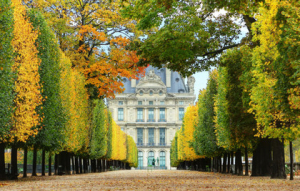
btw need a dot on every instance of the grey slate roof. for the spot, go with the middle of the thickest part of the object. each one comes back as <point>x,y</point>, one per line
<point>177,83</point>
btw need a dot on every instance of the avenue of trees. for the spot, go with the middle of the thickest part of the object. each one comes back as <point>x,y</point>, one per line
<point>53,81</point>
<point>252,100</point>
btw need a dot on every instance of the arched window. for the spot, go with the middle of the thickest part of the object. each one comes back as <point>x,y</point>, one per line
<point>150,158</point>
<point>140,159</point>
<point>162,159</point>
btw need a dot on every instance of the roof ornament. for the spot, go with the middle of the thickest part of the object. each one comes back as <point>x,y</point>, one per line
<point>190,84</point>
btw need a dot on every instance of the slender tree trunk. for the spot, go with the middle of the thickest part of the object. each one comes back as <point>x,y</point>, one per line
<point>231,165</point>
<point>43,162</point>
<point>291,161</point>
<point>76,165</point>
<point>80,165</point>
<point>278,165</point>
<point>34,161</point>
<point>2,161</point>
<point>239,163</point>
<point>56,164</point>
<point>25,162</point>
<point>246,162</point>
<point>228,163</point>
<point>68,163</point>
<point>73,163</point>
<point>14,162</point>
<point>49,162</point>
<point>262,159</point>
<point>224,162</point>
<point>235,164</point>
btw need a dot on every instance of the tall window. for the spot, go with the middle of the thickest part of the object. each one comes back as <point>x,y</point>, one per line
<point>150,157</point>
<point>162,113</point>
<point>181,113</point>
<point>151,136</point>
<point>140,103</point>
<point>120,102</point>
<point>162,103</point>
<point>180,102</point>
<point>162,159</point>
<point>151,114</point>
<point>139,136</point>
<point>162,136</point>
<point>150,102</point>
<point>120,114</point>
<point>140,159</point>
<point>139,113</point>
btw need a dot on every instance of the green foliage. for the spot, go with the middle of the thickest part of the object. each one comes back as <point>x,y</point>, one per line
<point>109,134</point>
<point>189,38</point>
<point>174,151</point>
<point>49,70</point>
<point>205,143</point>
<point>98,142</point>
<point>6,73</point>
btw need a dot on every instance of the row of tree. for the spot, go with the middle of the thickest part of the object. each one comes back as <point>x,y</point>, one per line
<point>252,101</point>
<point>47,102</point>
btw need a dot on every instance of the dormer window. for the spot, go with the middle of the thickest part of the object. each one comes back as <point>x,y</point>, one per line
<point>141,93</point>
<point>151,92</point>
<point>160,93</point>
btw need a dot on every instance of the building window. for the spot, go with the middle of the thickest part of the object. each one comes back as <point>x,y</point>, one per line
<point>140,103</point>
<point>139,114</point>
<point>140,136</point>
<point>151,92</point>
<point>140,165</point>
<point>151,136</point>
<point>162,103</point>
<point>122,128</point>
<point>151,159</point>
<point>162,113</point>
<point>150,115</point>
<point>141,93</point>
<point>181,113</point>
<point>162,132</point>
<point>150,102</point>
<point>120,102</point>
<point>162,159</point>
<point>160,93</point>
<point>181,102</point>
<point>120,114</point>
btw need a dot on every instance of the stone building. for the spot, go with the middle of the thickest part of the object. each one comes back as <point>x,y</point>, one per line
<point>151,111</point>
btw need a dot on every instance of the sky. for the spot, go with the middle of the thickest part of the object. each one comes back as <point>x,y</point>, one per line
<point>201,81</point>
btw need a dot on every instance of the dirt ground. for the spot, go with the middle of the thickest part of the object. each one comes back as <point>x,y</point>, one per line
<point>150,180</point>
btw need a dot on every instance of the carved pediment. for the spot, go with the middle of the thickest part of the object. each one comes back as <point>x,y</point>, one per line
<point>151,80</point>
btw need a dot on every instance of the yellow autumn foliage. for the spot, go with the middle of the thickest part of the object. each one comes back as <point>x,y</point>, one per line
<point>185,135</point>
<point>119,150</point>
<point>27,87</point>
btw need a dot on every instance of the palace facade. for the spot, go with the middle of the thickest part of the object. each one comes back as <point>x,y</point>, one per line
<point>151,111</point>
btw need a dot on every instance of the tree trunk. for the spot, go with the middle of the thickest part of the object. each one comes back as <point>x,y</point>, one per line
<point>43,162</point>
<point>238,162</point>
<point>262,159</point>
<point>246,162</point>
<point>80,165</point>
<point>224,162</point>
<point>56,164</point>
<point>49,162</point>
<point>34,161</point>
<point>76,165</point>
<point>2,161</point>
<point>14,162</point>
<point>235,165</point>
<point>68,163</point>
<point>228,163</point>
<point>73,163</point>
<point>231,154</point>
<point>278,164</point>
<point>25,162</point>
<point>291,161</point>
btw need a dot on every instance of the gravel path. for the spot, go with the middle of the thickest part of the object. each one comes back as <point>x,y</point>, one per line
<point>150,180</point>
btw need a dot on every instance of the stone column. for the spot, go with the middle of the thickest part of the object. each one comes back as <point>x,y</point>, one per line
<point>145,114</point>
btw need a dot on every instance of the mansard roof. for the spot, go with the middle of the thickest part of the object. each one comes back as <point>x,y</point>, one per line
<point>177,83</point>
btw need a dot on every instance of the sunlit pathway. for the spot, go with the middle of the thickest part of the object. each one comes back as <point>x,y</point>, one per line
<point>150,180</point>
